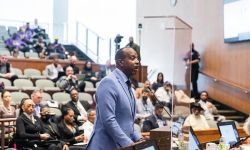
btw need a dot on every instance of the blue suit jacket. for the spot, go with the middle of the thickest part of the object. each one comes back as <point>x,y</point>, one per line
<point>114,126</point>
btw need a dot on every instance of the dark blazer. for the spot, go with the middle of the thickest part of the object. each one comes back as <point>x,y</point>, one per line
<point>7,65</point>
<point>27,131</point>
<point>71,105</point>
<point>66,135</point>
<point>52,129</point>
<point>151,123</point>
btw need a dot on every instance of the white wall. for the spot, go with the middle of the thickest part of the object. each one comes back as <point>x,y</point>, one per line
<point>162,50</point>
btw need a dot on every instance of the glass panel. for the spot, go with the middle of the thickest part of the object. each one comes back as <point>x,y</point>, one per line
<point>173,39</point>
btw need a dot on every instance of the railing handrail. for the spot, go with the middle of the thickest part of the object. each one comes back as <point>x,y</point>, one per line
<point>91,30</point>
<point>228,83</point>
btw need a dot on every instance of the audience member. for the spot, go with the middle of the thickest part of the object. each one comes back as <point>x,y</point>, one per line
<point>210,111</point>
<point>196,119</point>
<point>88,126</point>
<point>159,81</point>
<point>164,95</point>
<point>53,70</point>
<point>76,106</point>
<point>73,60</point>
<point>138,91</point>
<point>135,46</point>
<point>192,60</point>
<point>89,73</point>
<point>41,47</point>
<point>105,69</point>
<point>51,128</point>
<point>70,81</point>
<point>25,34</point>
<point>38,31</point>
<point>5,69</point>
<point>37,97</point>
<point>15,44</point>
<point>70,132</point>
<point>156,120</point>
<point>57,48</point>
<point>7,111</point>
<point>29,129</point>
<point>144,105</point>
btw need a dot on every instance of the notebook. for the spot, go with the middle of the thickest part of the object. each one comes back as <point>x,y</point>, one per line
<point>230,133</point>
<point>194,143</point>
<point>147,145</point>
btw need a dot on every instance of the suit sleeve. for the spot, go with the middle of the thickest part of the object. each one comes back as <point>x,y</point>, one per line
<point>107,98</point>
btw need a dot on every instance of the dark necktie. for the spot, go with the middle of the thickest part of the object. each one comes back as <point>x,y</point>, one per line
<point>129,88</point>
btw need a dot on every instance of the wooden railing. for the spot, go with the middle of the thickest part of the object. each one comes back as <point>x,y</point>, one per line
<point>40,64</point>
<point>227,83</point>
<point>2,122</point>
<point>212,134</point>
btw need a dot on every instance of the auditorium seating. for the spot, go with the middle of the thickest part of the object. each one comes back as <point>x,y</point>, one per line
<point>85,97</point>
<point>16,97</point>
<point>61,97</point>
<point>42,83</point>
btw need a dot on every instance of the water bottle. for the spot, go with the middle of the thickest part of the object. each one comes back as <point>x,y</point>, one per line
<point>222,144</point>
<point>181,141</point>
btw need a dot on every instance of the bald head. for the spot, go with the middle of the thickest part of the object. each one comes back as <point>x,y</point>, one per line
<point>127,61</point>
<point>73,59</point>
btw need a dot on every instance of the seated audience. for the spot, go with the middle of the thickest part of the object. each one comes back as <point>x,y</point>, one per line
<point>89,73</point>
<point>51,128</point>
<point>57,48</point>
<point>40,46</point>
<point>25,34</point>
<point>53,70</point>
<point>196,119</point>
<point>29,129</point>
<point>164,95</point>
<point>156,120</point>
<point>159,81</point>
<point>7,111</point>
<point>37,97</point>
<point>76,106</point>
<point>5,67</point>
<point>105,69</point>
<point>89,124</point>
<point>138,91</point>
<point>15,44</point>
<point>69,131</point>
<point>73,60</point>
<point>38,31</point>
<point>70,81</point>
<point>210,111</point>
<point>144,106</point>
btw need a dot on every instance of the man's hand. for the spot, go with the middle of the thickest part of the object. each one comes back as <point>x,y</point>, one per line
<point>44,136</point>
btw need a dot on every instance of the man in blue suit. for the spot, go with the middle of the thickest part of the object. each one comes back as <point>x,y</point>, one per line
<point>114,126</point>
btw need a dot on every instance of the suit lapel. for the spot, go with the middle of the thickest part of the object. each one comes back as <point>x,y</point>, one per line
<point>125,89</point>
<point>75,108</point>
<point>27,120</point>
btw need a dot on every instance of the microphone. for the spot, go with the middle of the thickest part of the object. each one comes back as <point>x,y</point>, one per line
<point>160,103</point>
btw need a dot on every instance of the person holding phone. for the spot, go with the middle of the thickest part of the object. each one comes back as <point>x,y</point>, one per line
<point>69,131</point>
